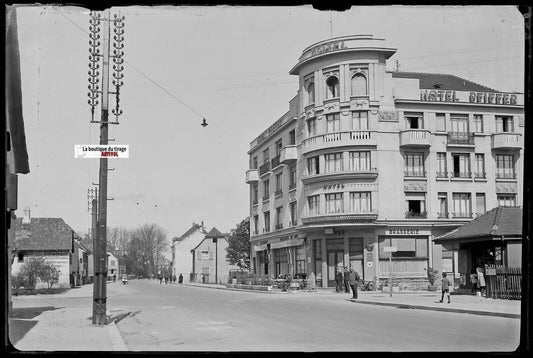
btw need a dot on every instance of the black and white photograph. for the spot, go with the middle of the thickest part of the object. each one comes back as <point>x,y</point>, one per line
<point>253,178</point>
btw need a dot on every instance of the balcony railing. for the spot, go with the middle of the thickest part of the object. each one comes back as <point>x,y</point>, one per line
<point>480,175</point>
<point>278,226</point>
<point>442,175</point>
<point>414,173</point>
<point>461,215</point>
<point>278,192</point>
<point>341,217</point>
<point>349,174</point>
<point>266,229</point>
<point>415,215</point>
<point>254,202</point>
<point>256,232</point>
<point>292,186</point>
<point>414,137</point>
<point>462,138</point>
<point>442,215</point>
<point>507,141</point>
<point>265,168</point>
<point>505,175</point>
<point>338,139</point>
<point>461,175</point>
<point>275,161</point>
<point>266,197</point>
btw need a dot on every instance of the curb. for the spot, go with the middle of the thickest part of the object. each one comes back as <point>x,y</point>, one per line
<point>428,308</point>
<point>116,338</point>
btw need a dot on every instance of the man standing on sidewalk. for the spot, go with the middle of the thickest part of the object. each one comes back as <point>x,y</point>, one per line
<point>346,277</point>
<point>354,281</point>
<point>445,287</point>
<point>338,280</point>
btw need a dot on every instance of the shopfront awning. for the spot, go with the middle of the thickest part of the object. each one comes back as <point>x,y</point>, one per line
<point>260,247</point>
<point>287,243</point>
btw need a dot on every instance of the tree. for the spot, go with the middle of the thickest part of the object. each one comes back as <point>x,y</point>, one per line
<point>150,241</point>
<point>49,274</point>
<point>35,269</point>
<point>238,250</point>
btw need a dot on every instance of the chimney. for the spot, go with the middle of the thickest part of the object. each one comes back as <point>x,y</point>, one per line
<point>26,218</point>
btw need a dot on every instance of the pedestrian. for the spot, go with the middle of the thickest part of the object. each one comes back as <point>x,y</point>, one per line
<point>481,280</point>
<point>180,279</point>
<point>346,277</point>
<point>166,279</point>
<point>354,281</point>
<point>445,287</point>
<point>174,278</point>
<point>114,277</point>
<point>160,279</point>
<point>338,280</point>
<point>473,280</point>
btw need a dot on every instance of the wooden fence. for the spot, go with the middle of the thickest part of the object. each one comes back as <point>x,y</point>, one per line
<point>503,282</point>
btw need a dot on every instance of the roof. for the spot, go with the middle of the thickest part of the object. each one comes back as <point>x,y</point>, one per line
<point>499,222</point>
<point>43,234</point>
<point>192,229</point>
<point>214,233</point>
<point>443,81</point>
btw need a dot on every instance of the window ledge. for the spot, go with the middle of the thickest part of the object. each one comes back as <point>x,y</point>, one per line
<point>461,179</point>
<point>506,180</point>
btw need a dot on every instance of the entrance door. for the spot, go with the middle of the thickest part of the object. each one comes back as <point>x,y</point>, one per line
<point>335,259</point>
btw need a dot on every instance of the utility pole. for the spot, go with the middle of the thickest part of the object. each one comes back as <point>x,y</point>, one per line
<point>100,242</point>
<point>397,65</point>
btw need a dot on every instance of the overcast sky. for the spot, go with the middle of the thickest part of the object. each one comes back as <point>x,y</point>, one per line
<point>227,64</point>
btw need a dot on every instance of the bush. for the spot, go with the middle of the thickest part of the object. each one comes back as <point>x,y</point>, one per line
<point>18,281</point>
<point>35,269</point>
<point>432,275</point>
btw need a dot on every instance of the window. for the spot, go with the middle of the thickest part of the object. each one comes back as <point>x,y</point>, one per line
<point>359,121</point>
<point>504,124</point>
<point>441,165</point>
<point>478,123</point>
<point>266,156</point>
<point>204,255</point>
<point>443,205</point>
<point>359,161</point>
<point>255,194</point>
<point>406,247</point>
<point>414,165</point>
<point>333,163</point>
<point>314,204</point>
<point>292,182</point>
<point>312,166</point>
<point>480,165</point>
<point>332,84</point>
<point>292,208</point>
<point>311,127</point>
<point>441,122</point>
<point>360,202</point>
<point>414,120</point>
<point>20,257</point>
<point>292,137</point>
<point>506,199</point>
<point>279,182</point>
<point>256,224</point>
<point>333,123</point>
<point>461,165</point>
<point>282,265</point>
<point>461,205</point>
<point>266,189</point>
<point>415,206</point>
<point>334,203</point>
<point>254,163</point>
<point>480,203</point>
<point>279,145</point>
<point>459,124</point>
<point>359,87</point>
<point>279,218</point>
<point>505,166</point>
<point>311,93</point>
<point>266,216</point>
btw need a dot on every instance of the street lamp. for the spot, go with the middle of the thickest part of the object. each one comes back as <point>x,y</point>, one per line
<point>215,241</point>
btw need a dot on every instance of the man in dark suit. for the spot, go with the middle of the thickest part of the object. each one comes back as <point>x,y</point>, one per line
<point>338,280</point>
<point>346,277</point>
<point>354,281</point>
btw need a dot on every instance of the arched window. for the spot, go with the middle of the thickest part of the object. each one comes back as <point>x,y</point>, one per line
<point>311,93</point>
<point>359,85</point>
<point>332,84</point>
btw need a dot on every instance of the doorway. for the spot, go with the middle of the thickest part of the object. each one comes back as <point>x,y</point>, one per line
<point>335,260</point>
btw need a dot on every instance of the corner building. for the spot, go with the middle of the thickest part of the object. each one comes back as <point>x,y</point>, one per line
<point>366,158</point>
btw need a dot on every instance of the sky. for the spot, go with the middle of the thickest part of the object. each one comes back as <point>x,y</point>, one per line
<point>227,64</point>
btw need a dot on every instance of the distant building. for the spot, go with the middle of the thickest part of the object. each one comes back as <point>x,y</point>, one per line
<point>181,250</point>
<point>51,239</point>
<point>210,264</point>
<point>366,159</point>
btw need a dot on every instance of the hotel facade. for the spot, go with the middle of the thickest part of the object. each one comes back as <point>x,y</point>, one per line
<point>367,159</point>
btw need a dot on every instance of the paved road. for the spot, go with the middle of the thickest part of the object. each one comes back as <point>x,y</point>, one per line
<point>181,318</point>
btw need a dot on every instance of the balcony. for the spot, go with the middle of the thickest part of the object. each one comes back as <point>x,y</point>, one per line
<point>266,198</point>
<point>292,186</point>
<point>289,154</point>
<point>460,215</point>
<point>507,141</point>
<point>278,226</point>
<point>278,192</point>
<point>265,168</point>
<point>414,173</point>
<point>415,215</point>
<point>505,175</point>
<point>338,139</point>
<point>463,175</point>
<point>252,176</point>
<point>442,175</point>
<point>266,229</point>
<point>414,138</point>
<point>358,174</point>
<point>460,139</point>
<point>340,217</point>
<point>275,162</point>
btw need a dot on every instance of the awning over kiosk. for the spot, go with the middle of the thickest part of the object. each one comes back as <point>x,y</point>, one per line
<point>287,243</point>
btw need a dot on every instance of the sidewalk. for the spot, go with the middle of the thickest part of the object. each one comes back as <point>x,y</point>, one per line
<point>44,323</point>
<point>423,300</point>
